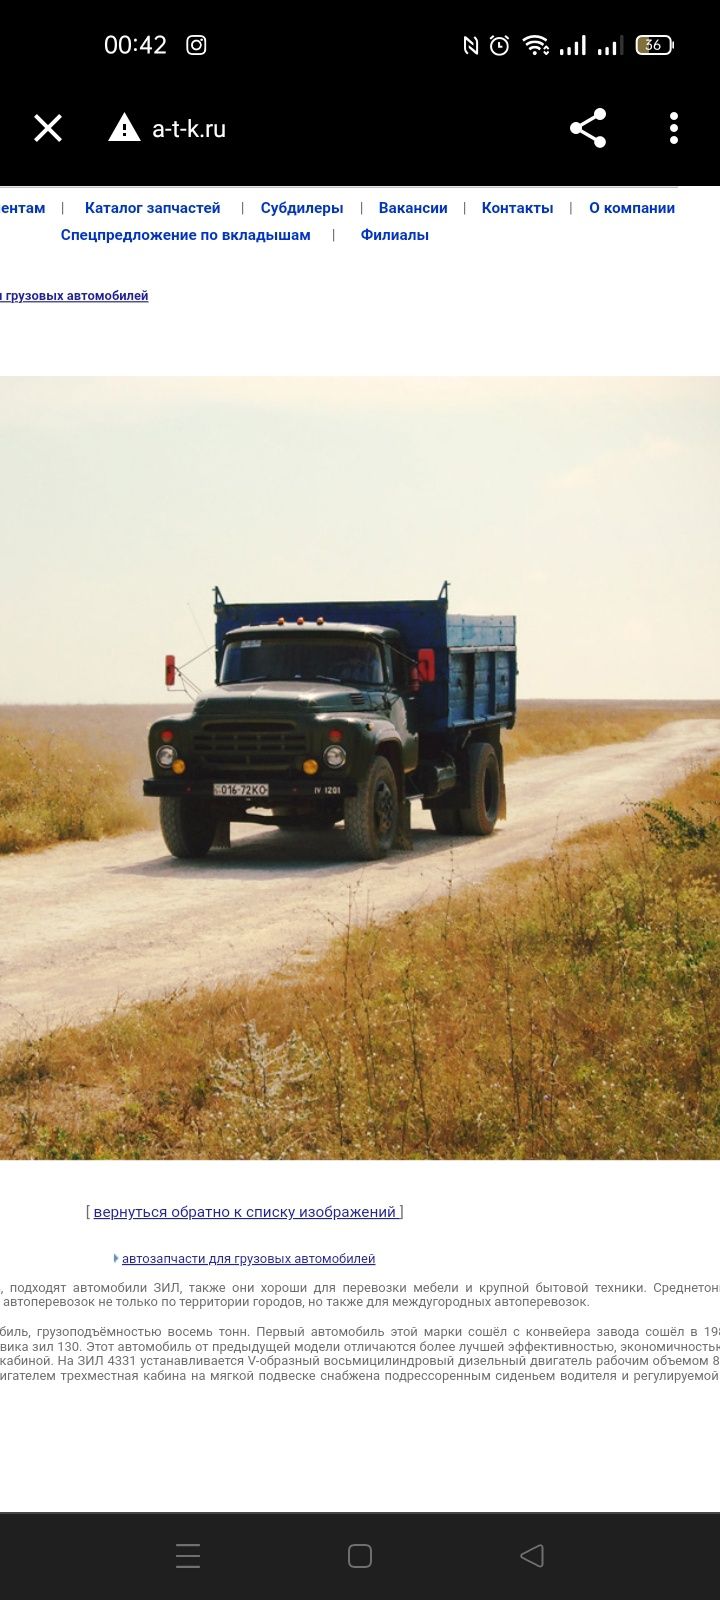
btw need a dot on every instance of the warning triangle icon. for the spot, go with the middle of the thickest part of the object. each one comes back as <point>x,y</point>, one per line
<point>124,133</point>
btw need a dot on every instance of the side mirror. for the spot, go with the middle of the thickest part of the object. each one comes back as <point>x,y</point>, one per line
<point>170,671</point>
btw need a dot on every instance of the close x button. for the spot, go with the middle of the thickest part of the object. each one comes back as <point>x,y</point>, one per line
<point>48,127</point>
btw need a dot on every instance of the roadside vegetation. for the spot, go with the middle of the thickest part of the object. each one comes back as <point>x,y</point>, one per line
<point>569,1009</point>
<point>555,727</point>
<point>57,781</point>
<point>54,788</point>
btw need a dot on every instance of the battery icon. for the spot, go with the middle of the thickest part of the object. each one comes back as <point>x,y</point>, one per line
<point>654,44</point>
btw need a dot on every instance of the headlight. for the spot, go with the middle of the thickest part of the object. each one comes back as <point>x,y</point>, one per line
<point>166,755</point>
<point>334,756</point>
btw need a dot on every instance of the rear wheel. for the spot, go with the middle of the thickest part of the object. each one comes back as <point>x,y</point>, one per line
<point>446,819</point>
<point>482,813</point>
<point>371,816</point>
<point>188,827</point>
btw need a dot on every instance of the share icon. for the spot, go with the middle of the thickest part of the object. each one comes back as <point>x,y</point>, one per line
<point>580,127</point>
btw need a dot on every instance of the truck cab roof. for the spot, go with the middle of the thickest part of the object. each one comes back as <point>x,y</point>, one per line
<point>313,625</point>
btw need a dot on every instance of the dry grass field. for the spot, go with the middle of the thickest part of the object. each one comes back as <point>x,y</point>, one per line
<point>71,772</point>
<point>75,772</point>
<point>54,788</point>
<point>555,727</point>
<point>569,1009</point>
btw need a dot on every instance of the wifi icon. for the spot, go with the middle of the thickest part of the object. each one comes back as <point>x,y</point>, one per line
<point>537,44</point>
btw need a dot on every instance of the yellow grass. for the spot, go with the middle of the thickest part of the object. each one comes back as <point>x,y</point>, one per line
<point>75,772</point>
<point>54,787</point>
<point>554,727</point>
<point>570,1009</point>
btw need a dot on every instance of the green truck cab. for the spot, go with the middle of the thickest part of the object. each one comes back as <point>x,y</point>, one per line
<point>339,714</point>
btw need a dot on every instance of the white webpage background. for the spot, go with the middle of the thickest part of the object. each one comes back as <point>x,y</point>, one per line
<point>563,294</point>
<point>567,293</point>
<point>332,1446</point>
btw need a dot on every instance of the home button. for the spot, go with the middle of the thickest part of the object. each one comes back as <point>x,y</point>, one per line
<point>360,1555</point>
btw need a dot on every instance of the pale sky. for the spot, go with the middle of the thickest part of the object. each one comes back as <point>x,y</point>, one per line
<point>587,507</point>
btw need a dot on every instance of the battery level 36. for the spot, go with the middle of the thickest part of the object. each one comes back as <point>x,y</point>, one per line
<point>654,44</point>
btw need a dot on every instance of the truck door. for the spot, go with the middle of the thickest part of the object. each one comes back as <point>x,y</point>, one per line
<point>401,707</point>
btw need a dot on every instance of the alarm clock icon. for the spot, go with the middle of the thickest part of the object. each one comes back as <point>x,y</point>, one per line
<point>499,44</point>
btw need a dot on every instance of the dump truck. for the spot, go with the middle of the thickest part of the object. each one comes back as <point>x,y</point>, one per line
<point>343,711</point>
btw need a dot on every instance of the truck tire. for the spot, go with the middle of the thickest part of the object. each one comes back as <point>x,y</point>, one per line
<point>484,789</point>
<point>371,816</point>
<point>446,819</point>
<point>187,828</point>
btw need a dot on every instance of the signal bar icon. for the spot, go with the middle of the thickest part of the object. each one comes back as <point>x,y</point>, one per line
<point>617,48</point>
<point>537,44</point>
<point>579,48</point>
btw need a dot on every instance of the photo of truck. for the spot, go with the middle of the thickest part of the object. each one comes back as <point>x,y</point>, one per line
<point>340,712</point>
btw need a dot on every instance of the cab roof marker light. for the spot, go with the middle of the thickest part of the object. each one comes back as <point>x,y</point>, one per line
<point>300,621</point>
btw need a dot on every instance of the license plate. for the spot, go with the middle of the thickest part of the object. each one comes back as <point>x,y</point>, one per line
<point>241,791</point>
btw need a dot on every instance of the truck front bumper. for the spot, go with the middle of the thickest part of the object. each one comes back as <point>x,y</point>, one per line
<point>274,791</point>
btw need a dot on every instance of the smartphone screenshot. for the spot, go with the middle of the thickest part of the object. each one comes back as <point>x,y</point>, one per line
<point>359,805</point>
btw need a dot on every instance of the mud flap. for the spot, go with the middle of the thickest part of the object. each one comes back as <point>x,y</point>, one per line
<point>221,840</point>
<point>403,837</point>
<point>502,797</point>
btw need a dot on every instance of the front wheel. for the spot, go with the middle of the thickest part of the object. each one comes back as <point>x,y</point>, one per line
<point>482,813</point>
<point>372,815</point>
<point>188,826</point>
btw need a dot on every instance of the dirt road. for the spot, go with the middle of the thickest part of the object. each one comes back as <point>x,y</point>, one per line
<point>88,926</point>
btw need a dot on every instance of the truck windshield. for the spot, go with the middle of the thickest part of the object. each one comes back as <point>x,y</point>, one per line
<point>334,660</point>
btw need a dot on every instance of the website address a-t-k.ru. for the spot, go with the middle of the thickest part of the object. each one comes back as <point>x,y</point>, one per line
<point>188,130</point>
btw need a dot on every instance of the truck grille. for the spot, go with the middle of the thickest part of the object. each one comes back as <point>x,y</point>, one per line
<point>247,745</point>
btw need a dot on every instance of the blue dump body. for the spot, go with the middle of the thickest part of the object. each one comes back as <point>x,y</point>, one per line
<point>475,657</point>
